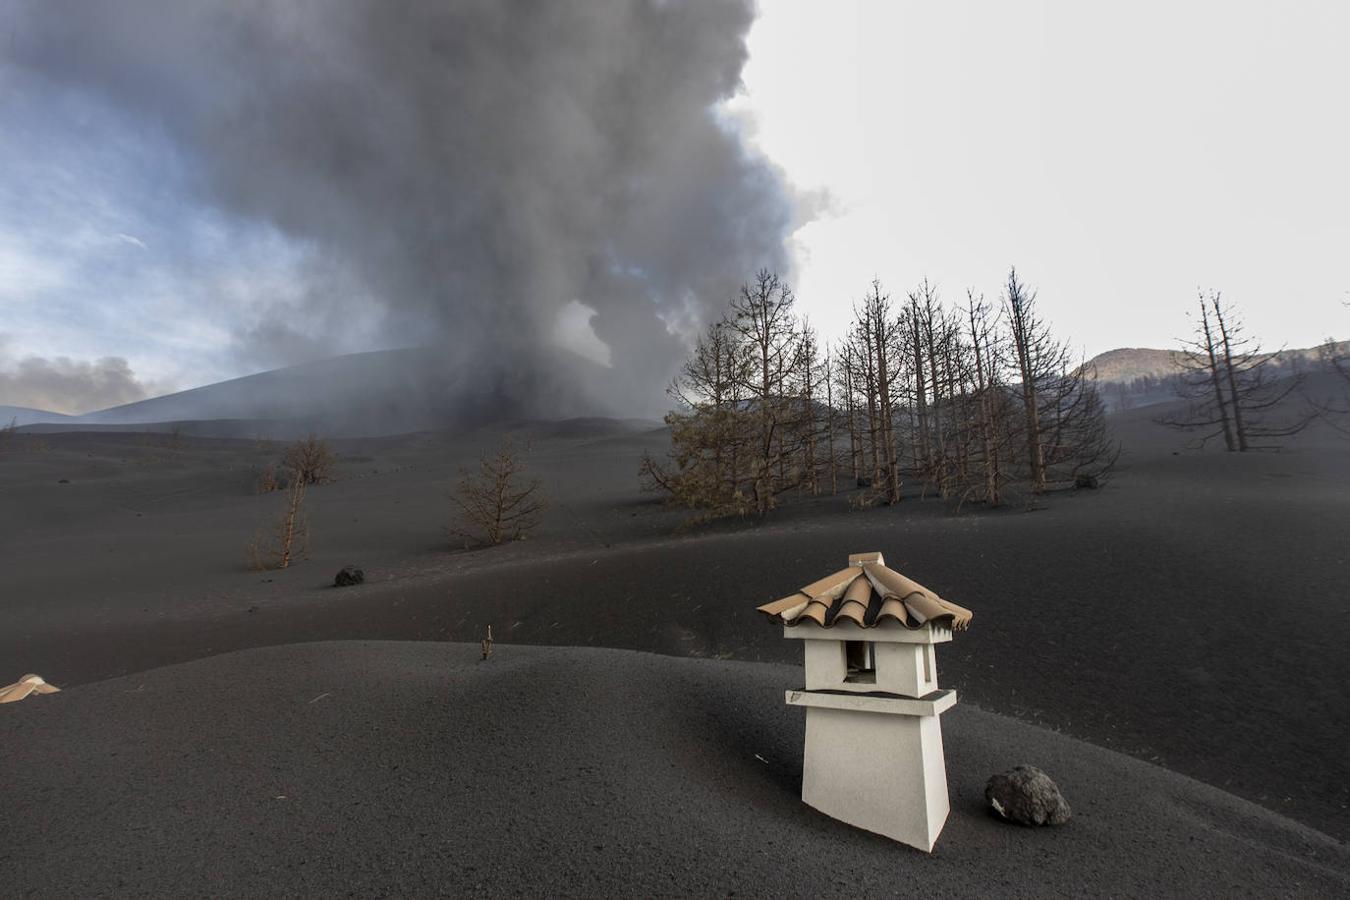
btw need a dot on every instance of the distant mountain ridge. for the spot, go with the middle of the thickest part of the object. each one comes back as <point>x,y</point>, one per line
<point>1126,365</point>
<point>363,394</point>
<point>1141,376</point>
<point>26,415</point>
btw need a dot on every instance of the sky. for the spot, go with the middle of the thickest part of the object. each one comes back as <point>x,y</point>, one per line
<point>1120,156</point>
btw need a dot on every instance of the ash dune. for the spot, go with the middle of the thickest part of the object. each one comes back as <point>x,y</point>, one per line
<point>223,187</point>
<point>410,768</point>
<point>1186,614</point>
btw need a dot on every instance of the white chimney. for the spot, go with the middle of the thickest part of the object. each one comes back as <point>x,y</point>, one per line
<point>873,737</point>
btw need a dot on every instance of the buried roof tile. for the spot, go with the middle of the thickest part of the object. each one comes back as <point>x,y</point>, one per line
<point>28,684</point>
<point>867,594</point>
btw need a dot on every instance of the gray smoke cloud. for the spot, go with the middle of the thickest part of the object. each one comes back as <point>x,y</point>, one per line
<point>69,386</point>
<point>469,167</point>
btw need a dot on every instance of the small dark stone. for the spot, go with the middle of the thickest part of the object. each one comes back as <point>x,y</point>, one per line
<point>349,575</point>
<point>1086,482</point>
<point>1028,796</point>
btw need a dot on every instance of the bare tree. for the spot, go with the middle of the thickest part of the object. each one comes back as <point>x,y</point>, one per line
<point>497,503</point>
<point>989,398</point>
<point>312,460</point>
<point>878,326</point>
<point>763,320</point>
<point>1202,385</point>
<point>831,418</point>
<point>276,546</point>
<point>848,379</point>
<point>810,429</point>
<point>713,446</point>
<point>1234,389</point>
<point>1032,348</point>
<point>750,424</point>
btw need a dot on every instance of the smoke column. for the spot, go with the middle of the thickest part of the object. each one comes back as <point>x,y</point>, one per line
<point>469,167</point>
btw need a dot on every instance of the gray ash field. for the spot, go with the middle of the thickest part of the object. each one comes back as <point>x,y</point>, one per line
<point>381,768</point>
<point>1190,614</point>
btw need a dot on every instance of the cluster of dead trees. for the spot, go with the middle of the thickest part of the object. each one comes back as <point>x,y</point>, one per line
<point>976,402</point>
<point>1234,389</point>
<point>285,537</point>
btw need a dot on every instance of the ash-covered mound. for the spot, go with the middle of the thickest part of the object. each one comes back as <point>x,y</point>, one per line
<point>410,768</point>
<point>378,393</point>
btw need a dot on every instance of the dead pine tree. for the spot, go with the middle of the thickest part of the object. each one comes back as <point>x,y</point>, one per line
<point>1235,390</point>
<point>763,321</point>
<point>1201,385</point>
<point>827,372</point>
<point>988,397</point>
<point>811,426</point>
<point>862,334</point>
<point>847,380</point>
<point>497,503</point>
<point>1030,345</point>
<point>312,460</point>
<point>712,442</point>
<point>277,545</point>
<point>921,442</point>
<point>882,331</point>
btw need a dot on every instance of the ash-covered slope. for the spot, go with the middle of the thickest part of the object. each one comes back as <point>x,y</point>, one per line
<point>417,768</point>
<point>24,415</point>
<point>1127,364</point>
<point>1140,376</point>
<point>376,393</point>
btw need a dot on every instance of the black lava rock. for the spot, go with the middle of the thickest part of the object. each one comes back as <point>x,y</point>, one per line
<point>1028,796</point>
<point>349,575</point>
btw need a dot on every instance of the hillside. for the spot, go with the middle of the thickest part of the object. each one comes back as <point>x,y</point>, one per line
<point>365,394</point>
<point>1127,365</point>
<point>24,415</point>
<point>1144,376</point>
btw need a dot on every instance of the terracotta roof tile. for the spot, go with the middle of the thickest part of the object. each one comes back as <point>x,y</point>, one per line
<point>868,594</point>
<point>28,684</point>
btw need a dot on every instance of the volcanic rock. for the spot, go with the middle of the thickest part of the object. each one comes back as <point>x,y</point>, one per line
<point>348,576</point>
<point>1028,796</point>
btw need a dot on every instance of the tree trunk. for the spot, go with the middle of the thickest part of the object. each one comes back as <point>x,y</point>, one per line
<point>1214,378</point>
<point>1240,432</point>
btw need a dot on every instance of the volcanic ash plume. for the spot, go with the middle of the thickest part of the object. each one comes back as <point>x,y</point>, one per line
<point>469,167</point>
